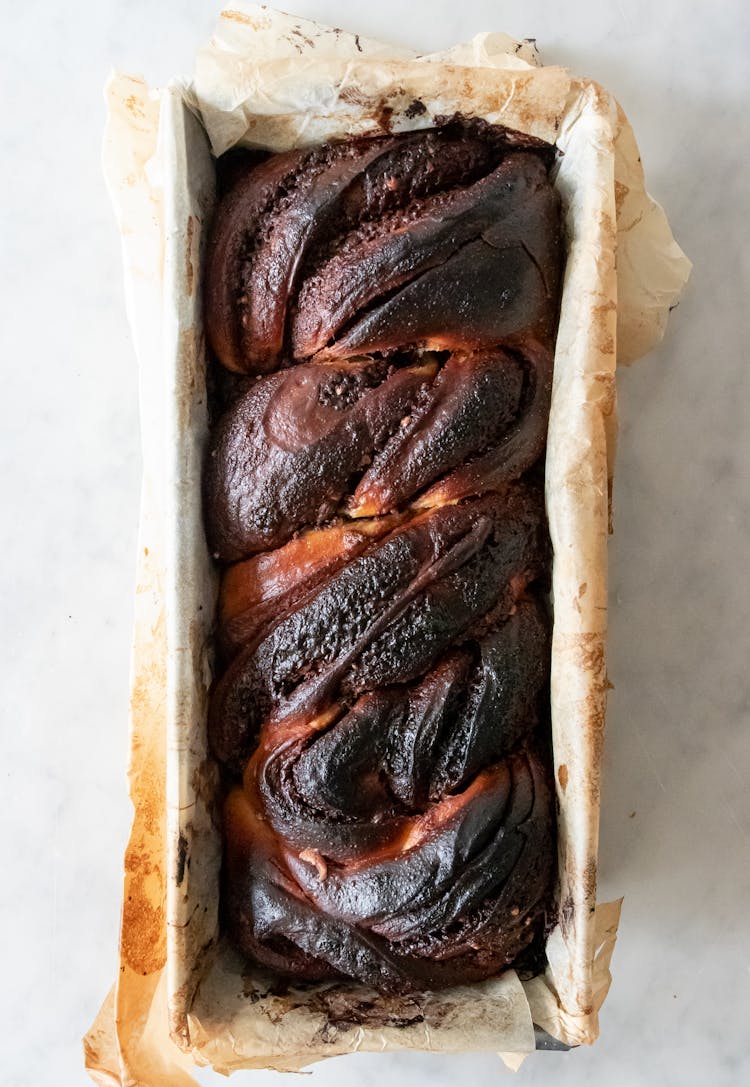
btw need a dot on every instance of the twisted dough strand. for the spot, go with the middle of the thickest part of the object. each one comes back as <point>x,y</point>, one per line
<point>383,632</point>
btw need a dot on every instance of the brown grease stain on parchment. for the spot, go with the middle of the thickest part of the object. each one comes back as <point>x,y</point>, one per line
<point>255,22</point>
<point>191,234</point>
<point>143,942</point>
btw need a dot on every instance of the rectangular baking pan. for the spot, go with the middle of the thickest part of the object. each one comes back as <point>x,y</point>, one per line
<point>577,498</point>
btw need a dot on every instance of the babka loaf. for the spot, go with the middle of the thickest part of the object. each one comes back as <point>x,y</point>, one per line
<point>381,314</point>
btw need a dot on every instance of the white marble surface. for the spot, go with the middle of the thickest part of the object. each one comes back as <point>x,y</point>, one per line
<point>676,819</point>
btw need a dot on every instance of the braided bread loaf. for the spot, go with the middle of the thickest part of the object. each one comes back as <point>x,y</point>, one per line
<point>384,310</point>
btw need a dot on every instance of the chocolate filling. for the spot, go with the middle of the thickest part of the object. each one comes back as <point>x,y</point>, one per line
<point>382,314</point>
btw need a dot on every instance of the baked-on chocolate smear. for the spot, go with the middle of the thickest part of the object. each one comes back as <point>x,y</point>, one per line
<point>372,489</point>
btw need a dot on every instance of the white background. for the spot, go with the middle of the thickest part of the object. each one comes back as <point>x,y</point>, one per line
<point>676,818</point>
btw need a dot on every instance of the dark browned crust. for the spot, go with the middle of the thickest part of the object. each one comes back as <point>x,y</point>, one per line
<point>373,475</point>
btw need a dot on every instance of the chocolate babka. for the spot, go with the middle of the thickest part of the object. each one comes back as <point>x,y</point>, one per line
<point>381,314</point>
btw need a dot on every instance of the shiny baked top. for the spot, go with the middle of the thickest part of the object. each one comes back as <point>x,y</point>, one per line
<point>387,308</point>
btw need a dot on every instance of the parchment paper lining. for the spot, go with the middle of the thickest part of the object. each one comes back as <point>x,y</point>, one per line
<point>274,81</point>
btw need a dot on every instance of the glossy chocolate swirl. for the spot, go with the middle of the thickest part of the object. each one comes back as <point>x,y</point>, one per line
<point>374,481</point>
